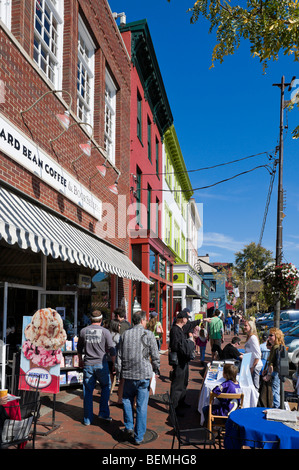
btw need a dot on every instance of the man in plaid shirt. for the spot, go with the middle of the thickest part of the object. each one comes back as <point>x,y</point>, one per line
<point>138,357</point>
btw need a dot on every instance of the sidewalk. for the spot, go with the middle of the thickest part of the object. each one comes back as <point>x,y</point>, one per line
<point>72,434</point>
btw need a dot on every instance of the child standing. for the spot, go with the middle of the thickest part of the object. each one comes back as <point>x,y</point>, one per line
<point>202,341</point>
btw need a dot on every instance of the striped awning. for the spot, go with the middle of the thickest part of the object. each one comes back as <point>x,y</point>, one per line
<point>30,226</point>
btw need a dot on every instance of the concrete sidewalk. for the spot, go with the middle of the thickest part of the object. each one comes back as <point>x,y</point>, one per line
<point>72,434</point>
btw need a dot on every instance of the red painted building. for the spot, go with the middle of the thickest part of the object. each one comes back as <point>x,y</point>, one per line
<point>60,57</point>
<point>150,117</point>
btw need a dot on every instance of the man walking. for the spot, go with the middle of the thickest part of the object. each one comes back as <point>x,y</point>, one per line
<point>94,341</point>
<point>137,358</point>
<point>120,315</point>
<point>184,347</point>
<point>215,332</point>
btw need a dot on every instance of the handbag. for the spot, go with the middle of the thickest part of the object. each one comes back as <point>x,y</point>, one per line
<point>159,329</point>
<point>173,358</point>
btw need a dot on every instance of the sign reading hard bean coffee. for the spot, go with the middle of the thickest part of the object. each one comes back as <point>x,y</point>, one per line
<point>25,152</point>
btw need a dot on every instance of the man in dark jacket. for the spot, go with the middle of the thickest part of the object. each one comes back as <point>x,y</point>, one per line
<point>231,351</point>
<point>185,350</point>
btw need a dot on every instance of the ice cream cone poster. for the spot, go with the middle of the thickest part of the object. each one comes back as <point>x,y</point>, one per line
<point>43,338</point>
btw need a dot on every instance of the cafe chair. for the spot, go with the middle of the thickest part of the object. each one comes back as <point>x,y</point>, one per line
<point>199,437</point>
<point>220,421</point>
<point>18,418</point>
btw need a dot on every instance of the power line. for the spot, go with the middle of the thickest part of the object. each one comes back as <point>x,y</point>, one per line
<point>208,167</point>
<point>210,185</point>
<point>268,201</point>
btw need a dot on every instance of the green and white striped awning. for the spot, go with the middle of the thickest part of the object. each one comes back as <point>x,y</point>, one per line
<point>30,226</point>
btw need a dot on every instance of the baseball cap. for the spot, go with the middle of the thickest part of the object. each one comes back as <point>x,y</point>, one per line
<point>183,314</point>
<point>153,314</point>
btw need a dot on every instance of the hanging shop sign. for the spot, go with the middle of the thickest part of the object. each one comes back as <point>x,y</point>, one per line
<point>25,152</point>
<point>42,339</point>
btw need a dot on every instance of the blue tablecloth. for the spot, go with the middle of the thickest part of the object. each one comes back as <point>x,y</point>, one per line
<point>251,423</point>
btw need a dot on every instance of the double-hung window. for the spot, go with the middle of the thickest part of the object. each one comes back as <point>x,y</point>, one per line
<point>5,12</point>
<point>149,139</point>
<point>139,116</point>
<point>48,26</point>
<point>110,117</point>
<point>85,75</point>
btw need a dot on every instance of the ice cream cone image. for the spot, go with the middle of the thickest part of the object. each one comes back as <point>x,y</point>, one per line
<point>45,336</point>
<point>46,330</point>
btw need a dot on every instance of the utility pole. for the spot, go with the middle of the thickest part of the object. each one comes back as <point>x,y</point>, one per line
<point>245,294</point>
<point>280,214</point>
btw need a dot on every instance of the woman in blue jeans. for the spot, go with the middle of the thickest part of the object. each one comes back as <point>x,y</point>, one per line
<point>276,340</point>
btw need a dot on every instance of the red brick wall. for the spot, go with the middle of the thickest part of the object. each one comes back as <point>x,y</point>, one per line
<point>24,85</point>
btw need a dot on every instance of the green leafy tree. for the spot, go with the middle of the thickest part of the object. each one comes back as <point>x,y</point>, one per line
<point>270,26</point>
<point>252,259</point>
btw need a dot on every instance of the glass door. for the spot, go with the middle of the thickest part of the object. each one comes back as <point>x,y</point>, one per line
<point>65,303</point>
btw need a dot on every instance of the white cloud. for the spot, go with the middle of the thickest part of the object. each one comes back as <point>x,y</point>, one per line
<point>223,241</point>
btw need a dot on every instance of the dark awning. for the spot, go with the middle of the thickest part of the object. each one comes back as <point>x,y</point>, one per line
<point>190,292</point>
<point>229,307</point>
<point>30,226</point>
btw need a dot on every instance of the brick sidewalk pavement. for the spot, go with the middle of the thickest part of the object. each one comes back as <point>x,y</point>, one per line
<point>72,434</point>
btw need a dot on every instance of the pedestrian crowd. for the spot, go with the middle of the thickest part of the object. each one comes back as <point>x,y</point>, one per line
<point>117,353</point>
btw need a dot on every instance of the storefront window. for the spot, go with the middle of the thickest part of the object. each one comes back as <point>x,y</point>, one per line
<point>177,301</point>
<point>136,296</point>
<point>101,293</point>
<point>19,266</point>
<point>153,261</point>
<point>162,267</point>
<point>153,295</point>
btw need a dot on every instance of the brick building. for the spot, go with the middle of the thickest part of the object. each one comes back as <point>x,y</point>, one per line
<point>150,118</point>
<point>60,224</point>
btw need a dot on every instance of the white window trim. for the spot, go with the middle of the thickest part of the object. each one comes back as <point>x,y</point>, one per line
<point>5,12</point>
<point>58,15</point>
<point>112,107</point>
<point>88,64</point>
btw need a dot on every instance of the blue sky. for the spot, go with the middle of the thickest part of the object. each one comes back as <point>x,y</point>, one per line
<point>222,114</point>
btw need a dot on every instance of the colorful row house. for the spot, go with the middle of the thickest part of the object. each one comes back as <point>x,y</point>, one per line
<point>87,145</point>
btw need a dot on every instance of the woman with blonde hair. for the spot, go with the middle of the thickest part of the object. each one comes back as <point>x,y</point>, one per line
<point>252,345</point>
<point>276,341</point>
<point>155,326</point>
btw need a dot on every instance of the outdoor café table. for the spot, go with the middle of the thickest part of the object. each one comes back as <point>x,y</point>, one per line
<point>12,408</point>
<point>250,394</point>
<point>252,424</point>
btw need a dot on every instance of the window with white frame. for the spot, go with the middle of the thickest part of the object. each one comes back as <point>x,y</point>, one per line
<point>48,25</point>
<point>85,75</point>
<point>5,12</point>
<point>110,115</point>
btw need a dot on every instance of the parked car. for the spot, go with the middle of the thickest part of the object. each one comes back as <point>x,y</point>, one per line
<point>263,316</point>
<point>285,326</point>
<point>285,316</point>
<point>292,344</point>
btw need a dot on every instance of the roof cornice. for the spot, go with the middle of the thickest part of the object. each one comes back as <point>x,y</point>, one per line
<point>144,58</point>
<point>174,150</point>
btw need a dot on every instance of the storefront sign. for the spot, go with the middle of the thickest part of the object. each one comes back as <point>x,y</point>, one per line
<point>179,278</point>
<point>25,152</point>
<point>42,338</point>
